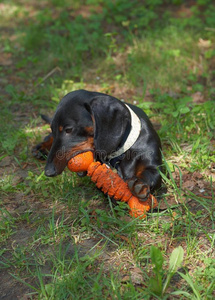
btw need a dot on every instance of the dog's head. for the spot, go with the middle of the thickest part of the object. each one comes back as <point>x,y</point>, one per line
<point>86,121</point>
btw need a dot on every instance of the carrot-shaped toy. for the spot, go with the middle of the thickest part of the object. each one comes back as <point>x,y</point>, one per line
<point>111,183</point>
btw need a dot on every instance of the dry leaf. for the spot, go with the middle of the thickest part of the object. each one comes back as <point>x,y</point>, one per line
<point>204,43</point>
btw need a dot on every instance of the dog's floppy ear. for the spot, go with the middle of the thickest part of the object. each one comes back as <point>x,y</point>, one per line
<point>111,119</point>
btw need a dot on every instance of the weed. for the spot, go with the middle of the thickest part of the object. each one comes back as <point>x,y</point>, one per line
<point>156,285</point>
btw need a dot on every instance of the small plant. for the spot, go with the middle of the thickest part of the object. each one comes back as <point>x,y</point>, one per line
<point>159,283</point>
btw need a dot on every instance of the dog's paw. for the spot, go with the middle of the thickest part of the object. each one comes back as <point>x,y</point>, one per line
<point>139,189</point>
<point>39,152</point>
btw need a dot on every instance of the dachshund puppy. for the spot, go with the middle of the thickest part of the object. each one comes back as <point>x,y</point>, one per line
<point>119,134</point>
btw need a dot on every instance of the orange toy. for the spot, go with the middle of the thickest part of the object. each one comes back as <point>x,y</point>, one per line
<point>111,183</point>
<point>80,162</point>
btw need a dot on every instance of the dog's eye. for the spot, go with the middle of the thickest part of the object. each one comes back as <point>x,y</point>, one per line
<point>68,130</point>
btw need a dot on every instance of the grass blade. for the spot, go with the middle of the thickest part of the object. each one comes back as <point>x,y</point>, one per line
<point>191,284</point>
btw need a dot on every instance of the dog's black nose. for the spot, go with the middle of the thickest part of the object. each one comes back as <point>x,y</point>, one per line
<point>50,170</point>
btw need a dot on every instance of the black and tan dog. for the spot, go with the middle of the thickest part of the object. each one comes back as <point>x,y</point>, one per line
<point>118,133</point>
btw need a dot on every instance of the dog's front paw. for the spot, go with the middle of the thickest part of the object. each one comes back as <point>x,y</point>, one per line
<point>41,150</point>
<point>139,188</point>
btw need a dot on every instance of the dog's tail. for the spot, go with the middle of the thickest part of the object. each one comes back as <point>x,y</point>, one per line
<point>46,119</point>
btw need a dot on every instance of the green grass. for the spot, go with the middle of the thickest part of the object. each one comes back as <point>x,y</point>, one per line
<point>63,239</point>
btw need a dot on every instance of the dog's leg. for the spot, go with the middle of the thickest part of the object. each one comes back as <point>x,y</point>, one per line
<point>141,186</point>
<point>41,150</point>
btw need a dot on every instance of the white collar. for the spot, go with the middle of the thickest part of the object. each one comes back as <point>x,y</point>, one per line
<point>132,137</point>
